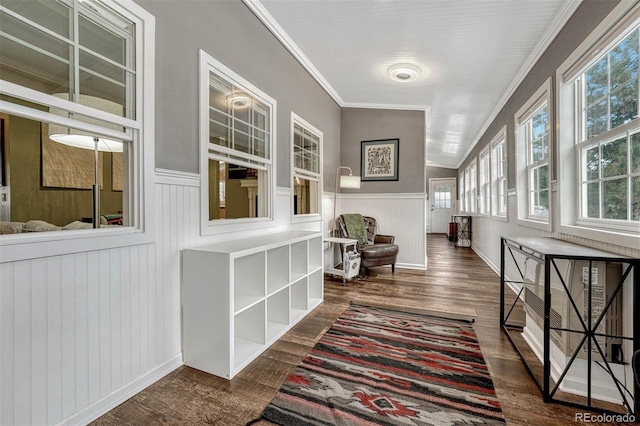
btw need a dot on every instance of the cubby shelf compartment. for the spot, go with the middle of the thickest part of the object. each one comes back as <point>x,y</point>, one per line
<point>239,296</point>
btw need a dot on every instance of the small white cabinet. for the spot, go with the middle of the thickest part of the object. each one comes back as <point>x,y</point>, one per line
<point>238,297</point>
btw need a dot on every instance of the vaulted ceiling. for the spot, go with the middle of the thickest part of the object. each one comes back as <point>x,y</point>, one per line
<point>473,53</point>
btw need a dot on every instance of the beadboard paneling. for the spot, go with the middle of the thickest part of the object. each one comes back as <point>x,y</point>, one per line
<point>402,215</point>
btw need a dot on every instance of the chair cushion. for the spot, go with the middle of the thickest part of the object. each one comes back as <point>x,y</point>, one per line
<point>378,250</point>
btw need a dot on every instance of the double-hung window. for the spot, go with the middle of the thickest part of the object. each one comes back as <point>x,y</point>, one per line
<point>533,144</point>
<point>499,175</point>
<point>485,181</point>
<point>237,135</point>
<point>72,102</point>
<point>600,131</point>
<point>307,167</point>
<point>461,192</point>
<point>471,198</point>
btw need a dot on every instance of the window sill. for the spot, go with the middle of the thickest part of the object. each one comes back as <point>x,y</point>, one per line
<point>500,218</point>
<point>618,238</point>
<point>222,226</point>
<point>14,247</point>
<point>536,224</point>
<point>305,218</point>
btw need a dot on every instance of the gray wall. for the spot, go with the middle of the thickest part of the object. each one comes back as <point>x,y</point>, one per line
<point>588,15</point>
<point>362,124</point>
<point>440,172</point>
<point>228,31</point>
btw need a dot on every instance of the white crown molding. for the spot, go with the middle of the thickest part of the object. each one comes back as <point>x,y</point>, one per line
<point>558,23</point>
<point>445,166</point>
<point>425,108</point>
<point>261,12</point>
<point>176,177</point>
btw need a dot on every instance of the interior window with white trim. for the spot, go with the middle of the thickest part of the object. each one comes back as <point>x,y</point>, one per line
<point>237,146</point>
<point>307,166</point>
<point>71,122</point>
<point>485,181</point>
<point>499,175</point>
<point>533,145</point>
<point>471,198</point>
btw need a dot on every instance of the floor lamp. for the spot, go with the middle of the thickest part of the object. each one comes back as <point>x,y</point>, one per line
<point>96,144</point>
<point>345,181</point>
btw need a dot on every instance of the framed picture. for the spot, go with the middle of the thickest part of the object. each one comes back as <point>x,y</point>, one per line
<point>379,160</point>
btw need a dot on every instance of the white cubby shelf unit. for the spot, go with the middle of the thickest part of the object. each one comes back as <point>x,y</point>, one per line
<point>239,297</point>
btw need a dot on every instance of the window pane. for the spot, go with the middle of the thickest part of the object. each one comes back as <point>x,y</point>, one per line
<point>597,119</point>
<point>592,163</point>
<point>244,190</point>
<point>614,158</point>
<point>596,81</point>
<point>624,104</point>
<point>305,196</point>
<point>539,124</point>
<point>614,199</point>
<point>624,61</point>
<point>593,200</point>
<point>105,41</point>
<point>52,15</point>
<point>635,153</point>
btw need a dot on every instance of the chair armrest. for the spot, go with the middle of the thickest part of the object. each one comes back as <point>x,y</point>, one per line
<point>384,239</point>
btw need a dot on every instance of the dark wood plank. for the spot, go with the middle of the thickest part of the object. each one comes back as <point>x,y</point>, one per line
<point>457,282</point>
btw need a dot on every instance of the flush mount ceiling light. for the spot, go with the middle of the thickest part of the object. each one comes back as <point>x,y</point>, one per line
<point>239,100</point>
<point>404,72</point>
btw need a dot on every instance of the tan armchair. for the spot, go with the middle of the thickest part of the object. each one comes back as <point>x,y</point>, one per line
<point>379,250</point>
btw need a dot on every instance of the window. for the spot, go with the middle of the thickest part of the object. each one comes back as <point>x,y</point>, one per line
<point>533,144</point>
<point>499,174</point>
<point>236,149</point>
<point>442,195</point>
<point>470,197</point>
<point>461,189</point>
<point>73,91</point>
<point>485,181</point>
<point>307,167</point>
<point>600,132</point>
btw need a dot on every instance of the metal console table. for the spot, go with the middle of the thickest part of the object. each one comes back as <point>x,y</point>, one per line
<point>586,326</point>
<point>463,230</point>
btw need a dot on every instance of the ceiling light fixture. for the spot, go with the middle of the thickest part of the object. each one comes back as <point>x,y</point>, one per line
<point>239,100</point>
<point>404,72</point>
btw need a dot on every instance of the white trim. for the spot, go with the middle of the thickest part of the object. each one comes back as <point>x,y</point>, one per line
<point>176,177</point>
<point>409,266</point>
<point>559,22</point>
<point>425,108</point>
<point>103,405</point>
<point>485,152</point>
<point>261,12</point>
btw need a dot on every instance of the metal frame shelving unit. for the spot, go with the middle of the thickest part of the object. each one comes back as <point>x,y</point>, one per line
<point>547,251</point>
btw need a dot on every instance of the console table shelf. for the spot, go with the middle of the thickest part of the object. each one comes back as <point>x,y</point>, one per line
<point>239,297</point>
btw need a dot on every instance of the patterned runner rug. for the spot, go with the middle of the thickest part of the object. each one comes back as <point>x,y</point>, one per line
<point>378,366</point>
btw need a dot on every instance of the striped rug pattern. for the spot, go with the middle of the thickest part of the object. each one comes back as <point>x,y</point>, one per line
<point>383,367</point>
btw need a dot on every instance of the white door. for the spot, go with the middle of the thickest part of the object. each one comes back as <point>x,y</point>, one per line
<point>442,203</point>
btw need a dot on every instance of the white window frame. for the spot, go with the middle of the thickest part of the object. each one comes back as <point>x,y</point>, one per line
<point>140,201</point>
<point>208,65</point>
<point>610,31</point>
<point>541,98</point>
<point>471,187</point>
<point>306,174</point>
<point>484,165</point>
<point>461,193</point>
<point>497,178</point>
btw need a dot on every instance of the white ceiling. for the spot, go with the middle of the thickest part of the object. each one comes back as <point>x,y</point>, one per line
<point>473,53</point>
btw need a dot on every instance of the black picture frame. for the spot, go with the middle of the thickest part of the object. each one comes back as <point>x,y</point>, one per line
<point>379,160</point>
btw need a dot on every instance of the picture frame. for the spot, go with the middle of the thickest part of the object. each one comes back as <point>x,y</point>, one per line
<point>379,160</point>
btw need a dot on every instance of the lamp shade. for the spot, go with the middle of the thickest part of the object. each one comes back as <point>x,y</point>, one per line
<point>350,182</point>
<point>80,139</point>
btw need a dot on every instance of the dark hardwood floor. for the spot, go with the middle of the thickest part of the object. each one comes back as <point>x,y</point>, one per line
<point>457,282</point>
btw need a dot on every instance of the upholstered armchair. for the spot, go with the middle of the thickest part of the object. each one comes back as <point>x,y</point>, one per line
<point>378,250</point>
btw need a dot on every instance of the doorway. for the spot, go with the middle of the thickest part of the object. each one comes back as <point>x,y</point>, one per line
<point>442,197</point>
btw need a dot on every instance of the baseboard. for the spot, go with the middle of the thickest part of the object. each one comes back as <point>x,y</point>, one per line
<point>117,397</point>
<point>411,266</point>
<point>486,260</point>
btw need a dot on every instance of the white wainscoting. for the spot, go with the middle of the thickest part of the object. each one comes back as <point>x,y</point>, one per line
<point>402,215</point>
<point>81,333</point>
